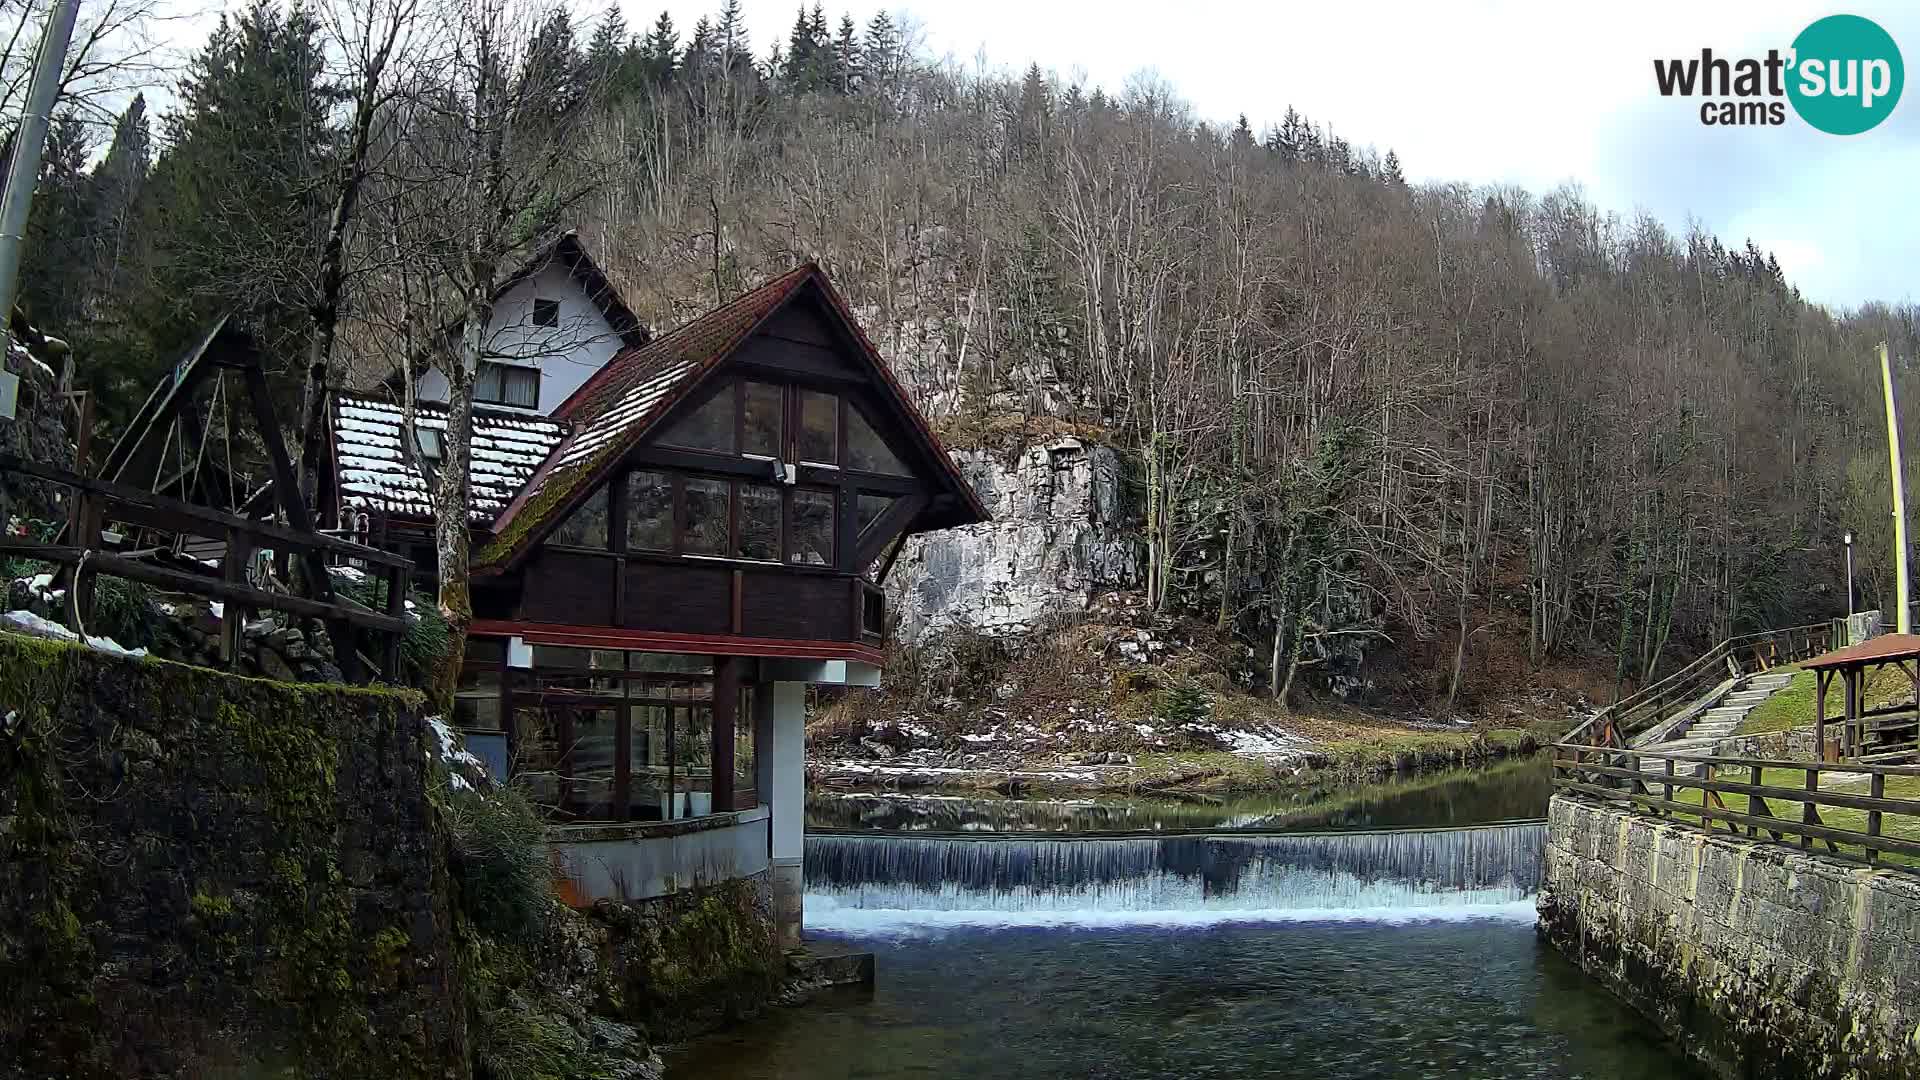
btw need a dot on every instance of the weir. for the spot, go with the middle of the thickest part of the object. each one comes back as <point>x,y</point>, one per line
<point>1224,876</point>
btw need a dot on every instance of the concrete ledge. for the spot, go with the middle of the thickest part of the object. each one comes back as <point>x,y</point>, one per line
<point>642,860</point>
<point>827,964</point>
<point>1763,961</point>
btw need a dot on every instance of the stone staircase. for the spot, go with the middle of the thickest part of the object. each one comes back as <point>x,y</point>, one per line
<point>1717,720</point>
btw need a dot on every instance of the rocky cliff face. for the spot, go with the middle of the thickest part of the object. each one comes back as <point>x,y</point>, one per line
<point>1060,535</point>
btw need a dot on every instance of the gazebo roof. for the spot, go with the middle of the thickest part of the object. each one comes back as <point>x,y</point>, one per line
<point>1885,649</point>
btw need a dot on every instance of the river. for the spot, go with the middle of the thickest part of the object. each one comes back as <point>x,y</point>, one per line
<point>1330,954</point>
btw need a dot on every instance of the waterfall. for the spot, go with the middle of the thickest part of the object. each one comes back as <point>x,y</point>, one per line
<point>1181,879</point>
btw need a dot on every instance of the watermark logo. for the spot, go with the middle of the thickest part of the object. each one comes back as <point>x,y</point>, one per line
<point>1843,75</point>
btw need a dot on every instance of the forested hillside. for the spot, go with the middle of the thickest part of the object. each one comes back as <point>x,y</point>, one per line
<point>1354,409</point>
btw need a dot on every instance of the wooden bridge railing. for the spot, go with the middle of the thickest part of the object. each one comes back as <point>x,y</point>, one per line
<point>1783,800</point>
<point>1661,701</point>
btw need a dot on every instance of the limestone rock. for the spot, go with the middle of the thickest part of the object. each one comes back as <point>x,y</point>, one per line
<point>1060,536</point>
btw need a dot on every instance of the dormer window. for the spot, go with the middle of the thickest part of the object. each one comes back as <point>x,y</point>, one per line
<point>546,313</point>
<point>429,441</point>
<point>506,384</point>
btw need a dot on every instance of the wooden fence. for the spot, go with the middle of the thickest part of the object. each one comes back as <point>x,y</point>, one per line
<point>1661,701</point>
<point>1818,802</point>
<point>97,502</point>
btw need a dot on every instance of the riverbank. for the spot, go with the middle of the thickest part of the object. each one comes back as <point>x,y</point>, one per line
<point>1250,762</point>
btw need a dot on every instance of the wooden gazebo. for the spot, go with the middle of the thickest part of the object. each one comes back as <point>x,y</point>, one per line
<point>1889,734</point>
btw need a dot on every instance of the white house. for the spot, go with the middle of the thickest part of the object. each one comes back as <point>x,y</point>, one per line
<point>555,323</point>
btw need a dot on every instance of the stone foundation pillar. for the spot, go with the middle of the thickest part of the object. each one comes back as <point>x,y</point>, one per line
<point>780,716</point>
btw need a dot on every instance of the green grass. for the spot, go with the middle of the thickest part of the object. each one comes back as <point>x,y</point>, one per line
<point>1792,706</point>
<point>1837,817</point>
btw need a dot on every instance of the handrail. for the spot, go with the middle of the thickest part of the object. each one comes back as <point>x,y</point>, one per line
<point>1613,723</point>
<point>1615,775</point>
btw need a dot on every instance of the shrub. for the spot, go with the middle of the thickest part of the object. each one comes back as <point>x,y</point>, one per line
<point>124,611</point>
<point>1181,705</point>
<point>499,860</point>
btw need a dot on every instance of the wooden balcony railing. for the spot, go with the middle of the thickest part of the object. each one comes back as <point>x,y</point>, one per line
<point>1868,814</point>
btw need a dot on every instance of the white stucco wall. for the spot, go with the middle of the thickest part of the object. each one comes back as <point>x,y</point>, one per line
<point>566,354</point>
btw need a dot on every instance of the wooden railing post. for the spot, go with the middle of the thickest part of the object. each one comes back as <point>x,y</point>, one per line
<point>1807,812</point>
<point>1877,789</point>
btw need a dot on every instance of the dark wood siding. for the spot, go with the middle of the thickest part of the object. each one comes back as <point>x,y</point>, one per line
<point>801,322</point>
<point>803,359</point>
<point>779,604</point>
<point>566,587</point>
<point>683,598</point>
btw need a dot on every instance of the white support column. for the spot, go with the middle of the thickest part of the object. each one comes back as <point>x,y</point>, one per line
<point>782,766</point>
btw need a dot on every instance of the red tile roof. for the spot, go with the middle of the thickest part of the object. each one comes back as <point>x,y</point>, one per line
<point>614,409</point>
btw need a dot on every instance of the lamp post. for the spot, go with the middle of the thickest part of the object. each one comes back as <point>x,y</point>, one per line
<point>1848,540</point>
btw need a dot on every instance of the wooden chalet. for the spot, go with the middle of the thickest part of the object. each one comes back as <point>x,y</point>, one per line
<point>696,532</point>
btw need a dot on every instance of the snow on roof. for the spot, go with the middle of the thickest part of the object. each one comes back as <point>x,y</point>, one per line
<point>375,475</point>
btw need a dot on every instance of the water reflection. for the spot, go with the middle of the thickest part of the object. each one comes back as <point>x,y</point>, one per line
<point>1465,797</point>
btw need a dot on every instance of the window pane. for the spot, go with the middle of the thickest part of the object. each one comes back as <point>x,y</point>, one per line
<point>693,760</point>
<point>867,451</point>
<point>546,313</point>
<point>744,795</point>
<point>710,427</point>
<point>476,704</point>
<point>559,656</point>
<point>486,382</point>
<point>759,522</point>
<point>643,661</point>
<point>647,762</point>
<point>763,409</point>
<point>706,516</point>
<point>813,527</point>
<point>521,387</point>
<point>819,427</point>
<point>649,511</point>
<point>867,510</point>
<point>586,526</point>
<point>536,748</point>
<point>590,765</point>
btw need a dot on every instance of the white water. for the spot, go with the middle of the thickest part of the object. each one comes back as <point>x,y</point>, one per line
<point>889,883</point>
<point>827,913</point>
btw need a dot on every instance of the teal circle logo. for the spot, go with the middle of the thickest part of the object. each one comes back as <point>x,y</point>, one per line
<point>1847,75</point>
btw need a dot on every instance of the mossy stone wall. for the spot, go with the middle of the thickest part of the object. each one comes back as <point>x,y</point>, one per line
<point>203,875</point>
<point>1760,960</point>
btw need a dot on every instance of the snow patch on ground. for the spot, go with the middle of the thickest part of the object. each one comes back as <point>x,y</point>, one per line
<point>28,623</point>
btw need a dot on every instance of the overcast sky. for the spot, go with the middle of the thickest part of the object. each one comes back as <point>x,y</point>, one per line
<point>1535,94</point>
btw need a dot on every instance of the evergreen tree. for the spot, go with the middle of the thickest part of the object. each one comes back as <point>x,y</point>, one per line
<point>1390,170</point>
<point>702,57</point>
<point>730,40</point>
<point>607,56</point>
<point>234,207</point>
<point>880,51</point>
<point>554,61</point>
<point>659,54</point>
<point>52,281</point>
<point>1242,134</point>
<point>846,54</point>
<point>113,199</point>
<point>1295,135</point>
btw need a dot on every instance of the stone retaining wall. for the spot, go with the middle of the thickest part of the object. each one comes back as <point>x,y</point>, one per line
<point>1762,961</point>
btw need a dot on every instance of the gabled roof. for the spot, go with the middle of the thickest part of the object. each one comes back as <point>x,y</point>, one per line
<point>375,475</point>
<point>615,409</point>
<point>567,251</point>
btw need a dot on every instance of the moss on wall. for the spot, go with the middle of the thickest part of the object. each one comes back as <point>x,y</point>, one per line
<point>205,873</point>
<point>695,960</point>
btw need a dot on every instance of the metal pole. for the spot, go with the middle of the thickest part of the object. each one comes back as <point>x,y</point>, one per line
<point>1905,614</point>
<point>28,146</point>
<point>1849,574</point>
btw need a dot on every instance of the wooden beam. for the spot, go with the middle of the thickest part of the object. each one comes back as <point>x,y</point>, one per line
<point>106,562</point>
<point>891,521</point>
<point>726,709</point>
<point>130,500</point>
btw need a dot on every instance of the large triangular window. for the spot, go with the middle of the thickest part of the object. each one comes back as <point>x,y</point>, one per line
<point>867,451</point>
<point>586,526</point>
